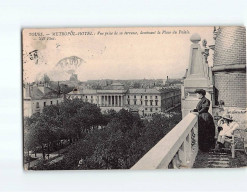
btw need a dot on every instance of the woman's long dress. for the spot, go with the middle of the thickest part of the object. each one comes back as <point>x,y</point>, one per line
<point>206,127</point>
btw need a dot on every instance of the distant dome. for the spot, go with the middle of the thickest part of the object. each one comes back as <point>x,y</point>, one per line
<point>230,46</point>
<point>117,86</point>
<point>195,38</point>
<point>73,77</point>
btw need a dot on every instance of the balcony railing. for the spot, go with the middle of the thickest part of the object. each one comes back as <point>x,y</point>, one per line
<point>178,149</point>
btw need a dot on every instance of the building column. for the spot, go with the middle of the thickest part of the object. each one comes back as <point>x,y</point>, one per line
<point>116,103</point>
<point>122,100</point>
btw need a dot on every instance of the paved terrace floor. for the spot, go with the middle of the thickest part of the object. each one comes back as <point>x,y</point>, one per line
<point>221,159</point>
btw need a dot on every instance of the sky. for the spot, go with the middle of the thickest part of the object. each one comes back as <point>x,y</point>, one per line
<point>110,53</point>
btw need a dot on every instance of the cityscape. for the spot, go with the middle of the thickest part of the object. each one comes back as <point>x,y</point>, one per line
<point>75,123</point>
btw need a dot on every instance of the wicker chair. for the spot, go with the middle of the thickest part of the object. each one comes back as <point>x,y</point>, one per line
<point>239,137</point>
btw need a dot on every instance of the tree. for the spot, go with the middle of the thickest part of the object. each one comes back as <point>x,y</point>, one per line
<point>123,139</point>
<point>38,133</point>
<point>108,116</point>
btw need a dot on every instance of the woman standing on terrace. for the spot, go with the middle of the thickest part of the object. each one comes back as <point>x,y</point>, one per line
<point>206,128</point>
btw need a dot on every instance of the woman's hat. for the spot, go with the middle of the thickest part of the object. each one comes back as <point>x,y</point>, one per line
<point>227,116</point>
<point>200,91</point>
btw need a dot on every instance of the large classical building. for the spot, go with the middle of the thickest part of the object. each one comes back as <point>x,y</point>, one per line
<point>143,101</point>
<point>37,96</point>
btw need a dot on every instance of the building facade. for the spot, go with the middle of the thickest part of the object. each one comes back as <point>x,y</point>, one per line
<point>38,96</point>
<point>143,101</point>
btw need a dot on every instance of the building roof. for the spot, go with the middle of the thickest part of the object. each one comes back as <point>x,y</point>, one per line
<point>114,86</point>
<point>36,93</point>
<point>83,92</point>
<point>144,91</point>
<point>123,91</point>
<point>169,89</point>
<point>89,91</point>
<point>106,91</point>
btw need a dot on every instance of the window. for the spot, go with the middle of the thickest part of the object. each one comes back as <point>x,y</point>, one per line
<point>146,97</point>
<point>151,102</point>
<point>146,109</point>
<point>37,104</point>
<point>151,110</point>
<point>44,104</point>
<point>156,97</point>
<point>141,96</point>
<point>128,102</point>
<point>134,96</point>
<point>151,97</point>
<point>156,108</point>
<point>51,102</point>
<point>91,96</point>
<point>156,102</point>
<point>134,102</point>
<point>146,102</point>
<point>128,96</point>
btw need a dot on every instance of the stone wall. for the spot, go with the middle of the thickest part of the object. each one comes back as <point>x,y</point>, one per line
<point>230,46</point>
<point>229,67</point>
<point>231,88</point>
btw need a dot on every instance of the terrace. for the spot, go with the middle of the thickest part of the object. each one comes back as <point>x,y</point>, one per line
<point>179,150</point>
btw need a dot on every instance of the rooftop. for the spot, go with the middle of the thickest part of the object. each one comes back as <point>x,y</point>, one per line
<point>144,91</point>
<point>40,91</point>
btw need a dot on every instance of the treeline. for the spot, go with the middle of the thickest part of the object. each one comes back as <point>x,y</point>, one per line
<point>114,140</point>
<point>70,120</point>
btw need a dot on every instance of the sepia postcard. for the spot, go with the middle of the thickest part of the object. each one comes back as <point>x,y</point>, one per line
<point>134,98</point>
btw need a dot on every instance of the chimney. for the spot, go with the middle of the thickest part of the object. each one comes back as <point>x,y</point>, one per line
<point>27,91</point>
